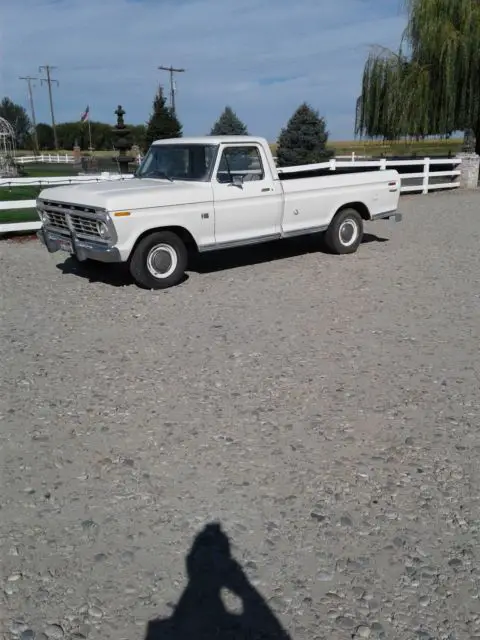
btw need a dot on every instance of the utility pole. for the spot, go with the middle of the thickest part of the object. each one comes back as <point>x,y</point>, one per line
<point>29,80</point>
<point>171,70</point>
<point>49,81</point>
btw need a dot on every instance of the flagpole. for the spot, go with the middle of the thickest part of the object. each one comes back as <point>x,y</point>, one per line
<point>90,135</point>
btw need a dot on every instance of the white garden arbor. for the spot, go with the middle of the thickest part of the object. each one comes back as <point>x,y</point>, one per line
<point>7,149</point>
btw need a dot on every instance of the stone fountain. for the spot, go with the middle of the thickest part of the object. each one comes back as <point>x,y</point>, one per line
<point>122,142</point>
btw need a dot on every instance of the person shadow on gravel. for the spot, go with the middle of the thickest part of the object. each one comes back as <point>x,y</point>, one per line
<point>201,614</point>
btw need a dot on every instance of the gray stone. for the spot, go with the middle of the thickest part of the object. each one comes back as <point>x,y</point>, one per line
<point>345,622</point>
<point>54,632</point>
<point>17,627</point>
<point>325,576</point>
<point>469,170</point>
<point>317,516</point>
<point>455,563</point>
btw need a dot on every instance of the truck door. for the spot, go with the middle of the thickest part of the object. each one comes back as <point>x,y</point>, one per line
<point>248,202</point>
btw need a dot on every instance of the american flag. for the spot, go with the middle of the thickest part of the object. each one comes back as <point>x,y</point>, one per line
<point>85,114</point>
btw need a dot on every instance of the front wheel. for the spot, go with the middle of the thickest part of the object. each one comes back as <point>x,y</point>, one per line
<point>345,232</point>
<point>159,261</point>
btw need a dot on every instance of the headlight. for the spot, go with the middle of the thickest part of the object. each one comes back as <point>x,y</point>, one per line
<point>43,216</point>
<point>103,230</point>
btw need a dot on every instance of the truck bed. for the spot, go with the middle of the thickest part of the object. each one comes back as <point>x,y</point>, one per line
<point>321,169</point>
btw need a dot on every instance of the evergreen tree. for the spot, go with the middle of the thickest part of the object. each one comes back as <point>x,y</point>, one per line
<point>163,123</point>
<point>229,125</point>
<point>45,136</point>
<point>304,139</point>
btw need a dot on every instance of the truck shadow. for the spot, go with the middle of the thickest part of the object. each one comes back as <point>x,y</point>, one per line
<point>202,613</point>
<point>117,275</point>
<point>267,252</point>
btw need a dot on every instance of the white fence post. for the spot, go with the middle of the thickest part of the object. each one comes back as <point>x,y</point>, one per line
<point>333,164</point>
<point>426,175</point>
<point>383,164</point>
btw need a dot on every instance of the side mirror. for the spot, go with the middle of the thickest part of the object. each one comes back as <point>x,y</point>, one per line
<point>237,181</point>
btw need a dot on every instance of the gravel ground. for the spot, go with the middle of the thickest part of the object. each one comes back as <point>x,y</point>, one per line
<point>323,410</point>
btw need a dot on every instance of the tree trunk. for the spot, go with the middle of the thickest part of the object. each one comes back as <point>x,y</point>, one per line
<point>471,140</point>
<point>476,133</point>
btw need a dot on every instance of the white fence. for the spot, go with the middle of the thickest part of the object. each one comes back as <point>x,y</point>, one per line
<point>57,158</point>
<point>8,205</point>
<point>353,156</point>
<point>422,180</point>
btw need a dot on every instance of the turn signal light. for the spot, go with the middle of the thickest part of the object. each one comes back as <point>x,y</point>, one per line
<point>121,214</point>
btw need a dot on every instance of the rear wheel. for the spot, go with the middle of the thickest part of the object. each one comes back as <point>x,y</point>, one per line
<point>345,232</point>
<point>159,261</point>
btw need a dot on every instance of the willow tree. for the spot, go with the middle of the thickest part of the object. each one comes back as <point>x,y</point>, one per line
<point>431,86</point>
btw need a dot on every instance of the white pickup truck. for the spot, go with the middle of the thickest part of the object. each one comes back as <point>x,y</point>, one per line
<point>208,193</point>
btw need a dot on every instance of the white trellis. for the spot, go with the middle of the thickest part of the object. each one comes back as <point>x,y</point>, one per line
<point>7,149</point>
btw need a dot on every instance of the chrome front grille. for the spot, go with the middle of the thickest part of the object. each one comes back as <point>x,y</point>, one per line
<point>71,219</point>
<point>85,226</point>
<point>57,219</point>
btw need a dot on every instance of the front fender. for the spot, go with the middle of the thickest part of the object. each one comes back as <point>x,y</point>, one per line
<point>198,219</point>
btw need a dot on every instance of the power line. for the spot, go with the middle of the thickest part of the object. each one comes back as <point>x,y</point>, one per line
<point>172,70</point>
<point>29,80</point>
<point>49,82</point>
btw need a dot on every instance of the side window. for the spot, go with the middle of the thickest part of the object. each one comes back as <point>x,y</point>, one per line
<point>243,163</point>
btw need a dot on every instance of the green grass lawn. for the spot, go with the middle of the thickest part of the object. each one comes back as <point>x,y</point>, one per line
<point>10,194</point>
<point>400,148</point>
<point>27,192</point>
<point>41,170</point>
<point>421,148</point>
<point>9,216</point>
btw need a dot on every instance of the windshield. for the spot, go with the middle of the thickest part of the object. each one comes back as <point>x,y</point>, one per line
<point>179,162</point>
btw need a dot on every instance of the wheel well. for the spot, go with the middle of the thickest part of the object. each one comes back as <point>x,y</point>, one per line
<point>181,232</point>
<point>361,208</point>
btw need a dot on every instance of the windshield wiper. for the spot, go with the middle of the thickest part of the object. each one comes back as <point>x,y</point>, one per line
<point>157,174</point>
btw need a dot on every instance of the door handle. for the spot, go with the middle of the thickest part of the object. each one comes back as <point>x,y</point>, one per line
<point>266,189</point>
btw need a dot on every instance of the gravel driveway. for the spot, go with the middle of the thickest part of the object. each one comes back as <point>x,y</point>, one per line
<point>324,410</point>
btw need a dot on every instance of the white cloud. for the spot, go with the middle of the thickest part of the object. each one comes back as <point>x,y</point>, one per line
<point>107,52</point>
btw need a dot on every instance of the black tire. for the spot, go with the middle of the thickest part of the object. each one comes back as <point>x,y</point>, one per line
<point>345,233</point>
<point>159,260</point>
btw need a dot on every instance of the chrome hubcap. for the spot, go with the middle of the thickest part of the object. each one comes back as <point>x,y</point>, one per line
<point>348,232</point>
<point>162,261</point>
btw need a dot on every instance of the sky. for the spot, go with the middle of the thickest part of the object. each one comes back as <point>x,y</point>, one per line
<point>261,57</point>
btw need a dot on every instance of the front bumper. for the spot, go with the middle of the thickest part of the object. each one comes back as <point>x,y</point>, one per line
<point>82,249</point>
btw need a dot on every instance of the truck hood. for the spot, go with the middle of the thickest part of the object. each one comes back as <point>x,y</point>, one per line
<point>132,193</point>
